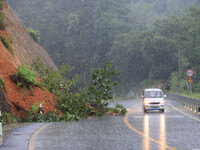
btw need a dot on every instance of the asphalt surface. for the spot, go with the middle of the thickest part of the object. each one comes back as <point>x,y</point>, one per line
<point>176,128</point>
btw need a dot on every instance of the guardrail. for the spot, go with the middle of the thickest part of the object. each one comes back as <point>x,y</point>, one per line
<point>191,103</point>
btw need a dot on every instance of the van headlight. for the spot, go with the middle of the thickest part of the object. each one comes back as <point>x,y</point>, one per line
<point>146,102</point>
<point>162,102</point>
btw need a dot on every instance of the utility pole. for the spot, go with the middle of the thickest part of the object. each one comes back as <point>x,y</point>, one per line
<point>179,69</point>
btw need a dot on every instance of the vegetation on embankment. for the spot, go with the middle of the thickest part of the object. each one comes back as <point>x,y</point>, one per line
<point>74,99</point>
<point>2,85</point>
<point>3,39</point>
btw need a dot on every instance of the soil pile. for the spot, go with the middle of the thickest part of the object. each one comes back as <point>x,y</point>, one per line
<point>19,100</point>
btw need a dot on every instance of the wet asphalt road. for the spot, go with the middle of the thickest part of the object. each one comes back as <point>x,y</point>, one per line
<point>174,129</point>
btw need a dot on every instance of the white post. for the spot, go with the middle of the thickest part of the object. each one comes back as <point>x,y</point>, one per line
<point>41,109</point>
<point>0,125</point>
<point>190,89</point>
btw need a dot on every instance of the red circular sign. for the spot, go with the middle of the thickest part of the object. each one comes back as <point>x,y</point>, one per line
<point>189,73</point>
<point>159,86</point>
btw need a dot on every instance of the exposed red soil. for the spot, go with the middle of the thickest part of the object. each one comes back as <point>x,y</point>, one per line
<point>20,100</point>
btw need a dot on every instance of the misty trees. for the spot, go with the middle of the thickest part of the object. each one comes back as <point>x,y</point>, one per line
<point>135,36</point>
<point>192,39</point>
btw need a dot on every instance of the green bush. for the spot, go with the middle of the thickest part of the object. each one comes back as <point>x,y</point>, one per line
<point>50,117</point>
<point>75,100</point>
<point>35,108</point>
<point>6,43</point>
<point>119,109</point>
<point>8,118</point>
<point>25,77</point>
<point>2,85</point>
<point>34,34</point>
<point>2,23</point>
<point>1,5</point>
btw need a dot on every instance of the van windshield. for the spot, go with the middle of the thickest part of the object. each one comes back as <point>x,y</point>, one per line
<point>153,94</point>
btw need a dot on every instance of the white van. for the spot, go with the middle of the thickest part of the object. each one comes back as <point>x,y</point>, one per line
<point>153,99</point>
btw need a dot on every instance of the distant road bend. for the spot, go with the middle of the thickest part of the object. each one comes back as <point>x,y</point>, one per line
<point>177,128</point>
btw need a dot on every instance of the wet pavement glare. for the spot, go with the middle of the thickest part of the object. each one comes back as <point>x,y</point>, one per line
<point>169,130</point>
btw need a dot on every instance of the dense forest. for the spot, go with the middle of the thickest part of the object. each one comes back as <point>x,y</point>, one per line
<point>140,38</point>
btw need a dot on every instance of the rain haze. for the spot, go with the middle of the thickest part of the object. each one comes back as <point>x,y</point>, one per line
<point>112,50</point>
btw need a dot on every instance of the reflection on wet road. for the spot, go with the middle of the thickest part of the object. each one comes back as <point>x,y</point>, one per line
<point>161,132</point>
<point>162,136</point>
<point>177,128</point>
<point>146,132</point>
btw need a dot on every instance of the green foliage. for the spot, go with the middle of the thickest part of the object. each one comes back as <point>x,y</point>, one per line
<point>25,77</point>
<point>73,103</point>
<point>137,37</point>
<point>120,109</point>
<point>101,86</point>
<point>78,100</point>
<point>93,99</point>
<point>6,43</point>
<point>50,117</point>
<point>34,34</point>
<point>1,5</point>
<point>2,85</point>
<point>8,118</point>
<point>54,80</point>
<point>35,108</point>
<point>2,23</point>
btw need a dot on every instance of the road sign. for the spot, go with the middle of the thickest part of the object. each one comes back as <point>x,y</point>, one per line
<point>190,80</point>
<point>189,73</point>
<point>159,86</point>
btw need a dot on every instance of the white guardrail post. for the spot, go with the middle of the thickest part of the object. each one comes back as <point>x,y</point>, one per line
<point>40,110</point>
<point>1,133</point>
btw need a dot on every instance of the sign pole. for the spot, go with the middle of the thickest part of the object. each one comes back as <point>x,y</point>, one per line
<point>189,74</point>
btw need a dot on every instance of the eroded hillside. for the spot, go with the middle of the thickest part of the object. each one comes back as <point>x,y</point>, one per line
<point>25,51</point>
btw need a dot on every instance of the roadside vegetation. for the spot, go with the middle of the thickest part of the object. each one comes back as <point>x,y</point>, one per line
<point>25,77</point>
<point>2,85</point>
<point>74,99</point>
<point>2,23</point>
<point>8,118</point>
<point>6,44</point>
<point>5,41</point>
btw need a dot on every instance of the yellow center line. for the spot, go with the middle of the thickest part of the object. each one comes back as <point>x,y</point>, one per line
<point>142,134</point>
<point>32,140</point>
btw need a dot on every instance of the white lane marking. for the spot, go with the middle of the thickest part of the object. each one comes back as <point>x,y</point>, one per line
<point>32,140</point>
<point>183,112</point>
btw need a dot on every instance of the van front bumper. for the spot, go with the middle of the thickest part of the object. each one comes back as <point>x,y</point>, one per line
<point>154,106</point>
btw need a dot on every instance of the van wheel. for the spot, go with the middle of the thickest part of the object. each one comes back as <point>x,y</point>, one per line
<point>162,110</point>
<point>145,110</point>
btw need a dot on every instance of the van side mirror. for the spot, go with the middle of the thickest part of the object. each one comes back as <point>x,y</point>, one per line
<point>165,96</point>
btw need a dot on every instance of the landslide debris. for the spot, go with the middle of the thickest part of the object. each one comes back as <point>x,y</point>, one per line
<point>25,51</point>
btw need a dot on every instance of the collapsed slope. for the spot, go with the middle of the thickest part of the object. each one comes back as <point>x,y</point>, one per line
<point>25,51</point>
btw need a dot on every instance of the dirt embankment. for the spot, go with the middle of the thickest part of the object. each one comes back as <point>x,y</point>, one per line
<point>25,51</point>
